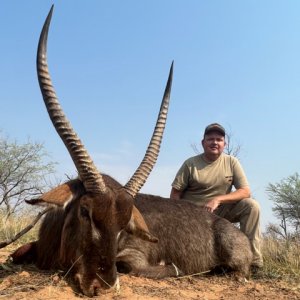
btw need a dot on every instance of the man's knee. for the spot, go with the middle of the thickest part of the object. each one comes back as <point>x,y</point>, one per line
<point>240,211</point>
<point>251,205</point>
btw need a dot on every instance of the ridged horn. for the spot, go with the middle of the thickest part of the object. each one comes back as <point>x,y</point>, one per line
<point>87,170</point>
<point>141,174</point>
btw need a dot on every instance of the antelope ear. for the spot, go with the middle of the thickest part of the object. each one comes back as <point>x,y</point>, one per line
<point>60,195</point>
<point>138,227</point>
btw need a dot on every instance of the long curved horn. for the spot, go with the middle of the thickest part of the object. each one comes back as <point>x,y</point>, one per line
<point>141,174</point>
<point>88,172</point>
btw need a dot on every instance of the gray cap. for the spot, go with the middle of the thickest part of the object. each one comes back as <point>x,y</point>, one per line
<point>214,127</point>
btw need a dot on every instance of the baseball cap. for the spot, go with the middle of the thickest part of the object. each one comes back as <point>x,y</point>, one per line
<point>214,127</point>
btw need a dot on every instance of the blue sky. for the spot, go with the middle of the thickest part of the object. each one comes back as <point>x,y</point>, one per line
<point>236,63</point>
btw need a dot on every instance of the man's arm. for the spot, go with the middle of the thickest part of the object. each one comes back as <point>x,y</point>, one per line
<point>241,184</point>
<point>232,197</point>
<point>175,194</point>
<point>235,196</point>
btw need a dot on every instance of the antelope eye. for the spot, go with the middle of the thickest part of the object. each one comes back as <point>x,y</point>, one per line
<point>84,212</point>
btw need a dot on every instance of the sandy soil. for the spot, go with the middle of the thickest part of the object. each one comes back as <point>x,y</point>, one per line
<point>27,282</point>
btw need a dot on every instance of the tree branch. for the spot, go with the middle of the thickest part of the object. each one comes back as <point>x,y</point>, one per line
<point>26,229</point>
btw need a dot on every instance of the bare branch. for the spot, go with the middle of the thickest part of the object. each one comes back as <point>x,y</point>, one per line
<point>26,229</point>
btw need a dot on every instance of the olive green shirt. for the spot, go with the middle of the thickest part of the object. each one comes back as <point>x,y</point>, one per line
<point>201,180</point>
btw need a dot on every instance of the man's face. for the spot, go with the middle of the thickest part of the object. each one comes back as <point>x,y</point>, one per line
<point>213,144</point>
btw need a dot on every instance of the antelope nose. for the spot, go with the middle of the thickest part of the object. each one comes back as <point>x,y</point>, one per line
<point>95,288</point>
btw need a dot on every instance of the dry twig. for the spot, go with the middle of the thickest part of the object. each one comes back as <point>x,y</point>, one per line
<point>26,229</point>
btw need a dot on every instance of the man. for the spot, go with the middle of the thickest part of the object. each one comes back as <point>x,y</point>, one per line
<point>207,179</point>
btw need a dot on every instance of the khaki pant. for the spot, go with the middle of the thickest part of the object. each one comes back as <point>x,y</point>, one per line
<point>247,213</point>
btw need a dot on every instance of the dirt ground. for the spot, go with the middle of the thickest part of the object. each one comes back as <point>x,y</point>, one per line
<point>27,282</point>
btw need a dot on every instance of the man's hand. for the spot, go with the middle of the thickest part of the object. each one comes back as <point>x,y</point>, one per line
<point>212,205</point>
<point>175,194</point>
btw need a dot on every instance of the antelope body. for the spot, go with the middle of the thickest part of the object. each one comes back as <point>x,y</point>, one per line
<point>190,239</point>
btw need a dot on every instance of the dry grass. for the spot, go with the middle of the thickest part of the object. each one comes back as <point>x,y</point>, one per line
<point>281,259</point>
<point>18,279</point>
<point>14,224</point>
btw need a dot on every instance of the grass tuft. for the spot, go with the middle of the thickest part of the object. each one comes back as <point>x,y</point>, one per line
<point>281,259</point>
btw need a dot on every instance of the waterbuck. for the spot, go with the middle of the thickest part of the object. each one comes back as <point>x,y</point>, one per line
<point>99,224</point>
<point>91,212</point>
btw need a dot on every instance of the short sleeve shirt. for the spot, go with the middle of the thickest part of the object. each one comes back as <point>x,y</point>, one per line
<point>200,180</point>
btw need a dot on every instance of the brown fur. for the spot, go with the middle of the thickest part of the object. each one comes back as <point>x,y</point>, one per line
<point>84,235</point>
<point>190,238</point>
